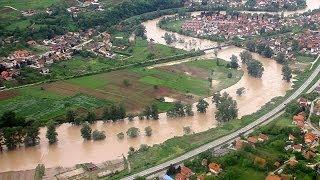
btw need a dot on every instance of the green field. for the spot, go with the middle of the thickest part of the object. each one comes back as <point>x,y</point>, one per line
<point>96,91</point>
<point>174,26</point>
<point>140,52</point>
<point>28,4</point>
<point>42,105</point>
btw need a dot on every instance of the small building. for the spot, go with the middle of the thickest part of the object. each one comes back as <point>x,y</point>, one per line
<point>5,75</point>
<point>303,102</point>
<point>299,120</point>
<point>291,137</point>
<point>167,177</point>
<point>317,89</point>
<point>310,138</point>
<point>215,168</point>
<point>262,137</point>
<point>292,162</point>
<point>252,139</point>
<point>273,177</point>
<point>297,147</point>
<point>186,171</point>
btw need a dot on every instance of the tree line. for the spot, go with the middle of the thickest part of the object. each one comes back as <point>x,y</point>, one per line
<point>16,131</point>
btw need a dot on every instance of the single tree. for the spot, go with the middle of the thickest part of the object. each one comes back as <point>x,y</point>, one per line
<point>226,107</point>
<point>86,131</point>
<point>91,117</point>
<point>240,91</point>
<point>51,134</point>
<point>286,73</point>
<point>281,58</point>
<point>187,130</point>
<point>245,57</point>
<point>130,117</point>
<point>126,82</point>
<point>133,132</point>
<point>141,31</point>
<point>188,109</point>
<point>202,106</point>
<point>255,68</point>
<point>234,62</point>
<point>98,135</point>
<point>71,116</point>
<point>32,135</point>
<point>154,112</point>
<point>148,131</point>
<point>120,135</point>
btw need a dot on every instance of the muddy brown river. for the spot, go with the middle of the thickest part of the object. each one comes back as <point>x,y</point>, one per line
<point>71,149</point>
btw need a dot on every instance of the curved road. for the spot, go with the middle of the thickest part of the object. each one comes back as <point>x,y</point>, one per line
<point>262,120</point>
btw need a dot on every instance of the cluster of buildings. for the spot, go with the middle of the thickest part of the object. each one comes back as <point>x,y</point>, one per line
<point>230,26</point>
<point>243,25</point>
<point>59,48</point>
<point>85,5</point>
<point>184,173</point>
<point>282,4</point>
<point>307,42</point>
<point>255,4</point>
<point>90,170</point>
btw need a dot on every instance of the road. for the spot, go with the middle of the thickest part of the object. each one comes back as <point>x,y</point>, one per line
<point>228,138</point>
<point>315,130</point>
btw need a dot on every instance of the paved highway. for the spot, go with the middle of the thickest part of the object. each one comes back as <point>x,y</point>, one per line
<point>228,138</point>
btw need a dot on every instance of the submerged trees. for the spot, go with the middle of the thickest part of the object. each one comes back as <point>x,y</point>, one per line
<point>202,106</point>
<point>51,134</point>
<point>86,131</point>
<point>114,113</point>
<point>286,73</point>
<point>148,131</point>
<point>133,132</point>
<point>226,107</point>
<point>151,112</point>
<point>255,68</point>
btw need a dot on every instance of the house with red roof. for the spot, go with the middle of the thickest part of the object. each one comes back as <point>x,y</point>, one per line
<point>299,120</point>
<point>311,139</point>
<point>303,102</point>
<point>262,137</point>
<point>215,168</point>
<point>252,139</point>
<point>184,174</point>
<point>6,75</point>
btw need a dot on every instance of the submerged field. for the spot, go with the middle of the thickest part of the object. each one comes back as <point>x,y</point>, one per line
<point>135,88</point>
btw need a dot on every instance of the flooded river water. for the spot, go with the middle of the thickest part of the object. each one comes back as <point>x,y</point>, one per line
<point>71,149</point>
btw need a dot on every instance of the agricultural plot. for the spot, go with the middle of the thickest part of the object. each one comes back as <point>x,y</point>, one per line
<point>140,52</point>
<point>43,105</point>
<point>135,88</point>
<point>28,4</point>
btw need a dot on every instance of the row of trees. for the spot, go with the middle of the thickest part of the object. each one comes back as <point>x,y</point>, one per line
<point>254,67</point>
<point>262,49</point>
<point>266,51</point>
<point>87,134</point>
<point>180,110</point>
<point>16,131</point>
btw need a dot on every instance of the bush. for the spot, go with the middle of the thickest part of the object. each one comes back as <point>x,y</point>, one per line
<point>98,135</point>
<point>143,147</point>
<point>120,135</point>
<point>130,117</point>
<point>133,132</point>
<point>86,131</point>
<point>148,131</point>
<point>187,130</point>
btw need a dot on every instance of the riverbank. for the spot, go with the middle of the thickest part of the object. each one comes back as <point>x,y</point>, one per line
<point>187,141</point>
